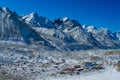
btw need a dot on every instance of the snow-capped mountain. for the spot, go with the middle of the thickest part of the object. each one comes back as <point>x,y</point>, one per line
<point>13,28</point>
<point>117,35</point>
<point>104,36</point>
<point>9,25</point>
<point>74,29</point>
<point>61,34</point>
<point>35,20</point>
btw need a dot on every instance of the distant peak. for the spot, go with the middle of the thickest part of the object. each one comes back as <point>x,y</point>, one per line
<point>5,9</point>
<point>65,19</point>
<point>91,27</point>
<point>33,14</point>
<point>104,29</point>
<point>84,26</point>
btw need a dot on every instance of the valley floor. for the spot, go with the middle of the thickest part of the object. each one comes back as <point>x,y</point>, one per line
<point>33,63</point>
<point>109,74</point>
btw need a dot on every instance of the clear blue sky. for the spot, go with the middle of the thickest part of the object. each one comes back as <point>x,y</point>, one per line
<point>100,13</point>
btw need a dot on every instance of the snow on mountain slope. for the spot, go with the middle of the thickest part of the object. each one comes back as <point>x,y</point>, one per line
<point>102,35</point>
<point>117,35</point>
<point>35,20</point>
<point>9,25</point>
<point>13,28</point>
<point>75,30</point>
<point>51,34</point>
<point>65,24</point>
<point>45,26</point>
<point>38,30</point>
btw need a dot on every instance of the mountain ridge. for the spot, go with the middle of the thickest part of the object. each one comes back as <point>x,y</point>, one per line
<point>60,34</point>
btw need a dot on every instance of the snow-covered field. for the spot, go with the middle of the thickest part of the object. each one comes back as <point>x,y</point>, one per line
<point>109,74</point>
<point>34,63</point>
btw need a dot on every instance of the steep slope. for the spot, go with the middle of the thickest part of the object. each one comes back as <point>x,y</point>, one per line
<point>9,29</point>
<point>61,34</point>
<point>48,31</point>
<point>13,28</point>
<point>35,20</point>
<point>103,36</point>
<point>75,30</point>
<point>117,34</point>
<point>43,25</point>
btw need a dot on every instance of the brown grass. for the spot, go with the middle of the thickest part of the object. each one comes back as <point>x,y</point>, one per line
<point>113,52</point>
<point>118,67</point>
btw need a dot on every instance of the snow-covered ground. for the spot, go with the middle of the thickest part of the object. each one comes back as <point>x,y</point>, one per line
<point>34,63</point>
<point>109,74</point>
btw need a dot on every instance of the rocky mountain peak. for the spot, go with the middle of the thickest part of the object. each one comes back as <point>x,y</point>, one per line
<point>32,17</point>
<point>62,33</point>
<point>7,11</point>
